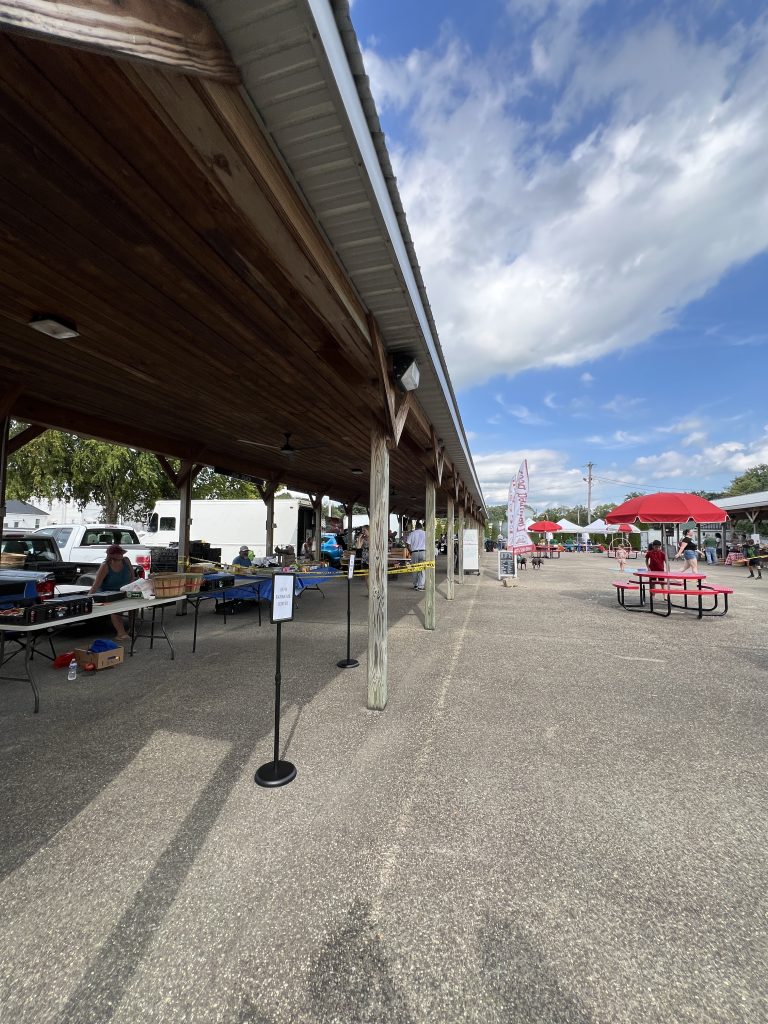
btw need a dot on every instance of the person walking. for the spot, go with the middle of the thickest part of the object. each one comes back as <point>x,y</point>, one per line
<point>417,542</point>
<point>688,552</point>
<point>710,550</point>
<point>500,541</point>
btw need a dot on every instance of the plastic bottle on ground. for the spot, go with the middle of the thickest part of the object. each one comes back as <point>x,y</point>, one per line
<point>72,674</point>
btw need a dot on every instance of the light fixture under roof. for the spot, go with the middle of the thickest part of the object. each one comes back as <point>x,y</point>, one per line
<point>406,372</point>
<point>356,471</point>
<point>55,327</point>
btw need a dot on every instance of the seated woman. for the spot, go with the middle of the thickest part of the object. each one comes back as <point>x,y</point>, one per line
<point>113,574</point>
<point>308,548</point>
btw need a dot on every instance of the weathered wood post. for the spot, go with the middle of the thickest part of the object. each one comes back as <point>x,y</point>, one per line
<point>450,526</point>
<point>460,567</point>
<point>377,571</point>
<point>267,494</point>
<point>429,554</point>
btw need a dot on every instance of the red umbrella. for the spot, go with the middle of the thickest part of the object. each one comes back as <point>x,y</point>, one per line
<point>543,527</point>
<point>667,508</point>
<point>624,528</point>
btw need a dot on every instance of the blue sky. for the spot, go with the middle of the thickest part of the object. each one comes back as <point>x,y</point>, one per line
<point>586,182</point>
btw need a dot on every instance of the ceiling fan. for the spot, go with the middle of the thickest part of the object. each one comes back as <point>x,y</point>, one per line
<point>286,448</point>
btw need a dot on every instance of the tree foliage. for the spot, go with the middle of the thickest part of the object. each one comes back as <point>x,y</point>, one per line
<point>58,466</point>
<point>750,481</point>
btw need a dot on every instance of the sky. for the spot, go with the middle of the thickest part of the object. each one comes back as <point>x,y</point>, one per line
<point>586,183</point>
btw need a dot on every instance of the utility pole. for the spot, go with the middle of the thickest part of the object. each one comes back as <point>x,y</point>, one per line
<point>588,481</point>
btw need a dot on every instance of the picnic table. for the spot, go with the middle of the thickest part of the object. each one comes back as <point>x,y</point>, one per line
<point>651,583</point>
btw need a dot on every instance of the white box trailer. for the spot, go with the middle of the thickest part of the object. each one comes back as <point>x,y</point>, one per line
<point>228,523</point>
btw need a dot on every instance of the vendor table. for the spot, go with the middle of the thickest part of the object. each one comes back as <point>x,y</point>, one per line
<point>258,588</point>
<point>547,550</point>
<point>26,635</point>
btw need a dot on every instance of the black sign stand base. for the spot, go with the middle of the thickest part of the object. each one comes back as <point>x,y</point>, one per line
<point>276,772</point>
<point>348,662</point>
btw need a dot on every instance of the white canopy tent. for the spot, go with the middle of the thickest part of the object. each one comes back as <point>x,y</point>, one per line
<point>566,526</point>
<point>616,528</point>
<point>597,527</point>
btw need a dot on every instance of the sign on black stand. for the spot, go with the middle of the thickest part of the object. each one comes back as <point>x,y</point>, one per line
<point>349,661</point>
<point>277,772</point>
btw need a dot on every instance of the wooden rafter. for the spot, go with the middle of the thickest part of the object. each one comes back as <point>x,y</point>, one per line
<point>396,415</point>
<point>438,451</point>
<point>169,33</point>
<point>24,437</point>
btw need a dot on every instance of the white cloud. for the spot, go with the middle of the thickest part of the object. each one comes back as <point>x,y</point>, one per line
<point>696,437</point>
<point>552,480</point>
<point>621,404</point>
<point>534,254</point>
<point>520,412</point>
<point>586,378</point>
<point>549,401</point>
<point>711,462</point>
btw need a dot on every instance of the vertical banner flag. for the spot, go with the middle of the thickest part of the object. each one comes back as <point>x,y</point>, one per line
<point>519,540</point>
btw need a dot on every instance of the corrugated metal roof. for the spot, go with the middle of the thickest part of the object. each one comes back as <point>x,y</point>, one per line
<point>303,71</point>
<point>743,501</point>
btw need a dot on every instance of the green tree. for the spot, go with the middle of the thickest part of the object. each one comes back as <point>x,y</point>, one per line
<point>750,481</point>
<point>59,466</point>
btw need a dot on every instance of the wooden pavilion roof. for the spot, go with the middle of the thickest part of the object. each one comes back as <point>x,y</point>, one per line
<point>142,199</point>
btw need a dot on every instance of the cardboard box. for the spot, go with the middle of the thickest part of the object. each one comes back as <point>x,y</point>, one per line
<point>100,659</point>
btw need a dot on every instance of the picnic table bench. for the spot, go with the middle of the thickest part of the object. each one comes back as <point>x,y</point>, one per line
<point>654,584</point>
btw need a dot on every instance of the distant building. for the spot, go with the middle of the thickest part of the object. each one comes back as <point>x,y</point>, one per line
<point>20,515</point>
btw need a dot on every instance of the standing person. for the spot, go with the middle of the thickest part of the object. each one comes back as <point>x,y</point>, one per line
<point>500,541</point>
<point>622,554</point>
<point>753,561</point>
<point>243,558</point>
<point>113,574</point>
<point>710,550</point>
<point>719,546</point>
<point>656,561</point>
<point>417,542</point>
<point>688,552</point>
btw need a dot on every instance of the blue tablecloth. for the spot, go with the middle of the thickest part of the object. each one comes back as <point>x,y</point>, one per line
<point>259,588</point>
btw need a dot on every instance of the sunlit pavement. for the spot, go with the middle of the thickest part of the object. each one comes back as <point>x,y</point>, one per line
<point>561,816</point>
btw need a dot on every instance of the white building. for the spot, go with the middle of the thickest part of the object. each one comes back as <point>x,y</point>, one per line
<point>20,515</point>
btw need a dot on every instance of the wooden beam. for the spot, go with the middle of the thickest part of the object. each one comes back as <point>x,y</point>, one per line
<point>438,451</point>
<point>377,571</point>
<point>450,528</point>
<point>429,554</point>
<point>169,33</point>
<point>396,415</point>
<point>24,437</point>
<point>8,397</point>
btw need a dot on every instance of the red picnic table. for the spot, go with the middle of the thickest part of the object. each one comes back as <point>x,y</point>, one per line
<point>652,583</point>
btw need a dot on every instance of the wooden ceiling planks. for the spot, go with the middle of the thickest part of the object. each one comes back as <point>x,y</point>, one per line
<point>197,301</point>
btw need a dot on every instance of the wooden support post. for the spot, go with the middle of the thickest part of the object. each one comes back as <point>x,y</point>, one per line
<point>318,506</point>
<point>429,527</point>
<point>377,579</point>
<point>5,427</point>
<point>460,567</point>
<point>350,533</point>
<point>267,493</point>
<point>450,528</point>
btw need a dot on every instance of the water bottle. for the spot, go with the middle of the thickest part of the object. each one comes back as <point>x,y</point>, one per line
<point>72,674</point>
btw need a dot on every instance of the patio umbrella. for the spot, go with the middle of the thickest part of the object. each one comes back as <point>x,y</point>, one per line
<point>544,526</point>
<point>622,528</point>
<point>667,508</point>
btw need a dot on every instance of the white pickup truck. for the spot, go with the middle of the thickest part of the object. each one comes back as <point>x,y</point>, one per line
<point>88,542</point>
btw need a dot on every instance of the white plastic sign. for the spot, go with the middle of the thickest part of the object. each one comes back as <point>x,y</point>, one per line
<point>471,561</point>
<point>351,570</point>
<point>282,596</point>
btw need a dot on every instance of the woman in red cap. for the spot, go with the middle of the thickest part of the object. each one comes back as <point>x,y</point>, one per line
<point>113,574</point>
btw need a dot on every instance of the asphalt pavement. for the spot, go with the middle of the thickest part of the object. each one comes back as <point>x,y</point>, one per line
<point>559,817</point>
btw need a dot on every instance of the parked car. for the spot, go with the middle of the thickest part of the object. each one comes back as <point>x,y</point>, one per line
<point>331,550</point>
<point>37,553</point>
<point>88,542</point>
